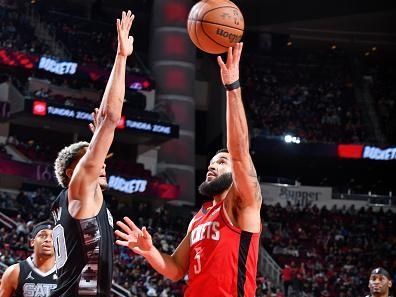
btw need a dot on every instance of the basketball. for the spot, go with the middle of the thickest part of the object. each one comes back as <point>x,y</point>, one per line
<point>215,25</point>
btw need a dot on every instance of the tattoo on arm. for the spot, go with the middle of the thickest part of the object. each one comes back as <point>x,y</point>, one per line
<point>253,175</point>
<point>252,170</point>
<point>258,192</point>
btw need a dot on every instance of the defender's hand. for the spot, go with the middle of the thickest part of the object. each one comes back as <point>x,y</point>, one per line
<point>95,120</point>
<point>125,42</point>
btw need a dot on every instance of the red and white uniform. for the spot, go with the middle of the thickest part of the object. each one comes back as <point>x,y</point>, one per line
<point>223,258</point>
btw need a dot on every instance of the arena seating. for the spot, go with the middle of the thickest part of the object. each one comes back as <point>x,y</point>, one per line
<point>335,264</point>
<point>308,95</point>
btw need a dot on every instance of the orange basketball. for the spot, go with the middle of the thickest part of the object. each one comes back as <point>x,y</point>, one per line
<point>215,25</point>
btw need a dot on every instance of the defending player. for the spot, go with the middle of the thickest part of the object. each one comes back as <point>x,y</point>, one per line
<point>83,236</point>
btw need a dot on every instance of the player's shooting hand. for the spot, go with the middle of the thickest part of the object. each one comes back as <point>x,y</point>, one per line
<point>125,42</point>
<point>138,240</point>
<point>229,71</point>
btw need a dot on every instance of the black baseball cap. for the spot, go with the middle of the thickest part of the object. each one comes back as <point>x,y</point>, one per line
<point>382,271</point>
<point>41,226</point>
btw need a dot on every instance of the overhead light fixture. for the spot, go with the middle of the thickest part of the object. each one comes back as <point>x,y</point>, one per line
<point>292,139</point>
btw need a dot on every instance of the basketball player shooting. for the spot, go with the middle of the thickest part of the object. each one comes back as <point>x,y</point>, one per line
<point>220,251</point>
<point>83,236</point>
<point>38,272</point>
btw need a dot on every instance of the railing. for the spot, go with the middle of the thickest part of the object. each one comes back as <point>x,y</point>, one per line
<point>7,221</point>
<point>3,268</point>
<point>270,268</point>
<point>117,290</point>
<point>372,199</point>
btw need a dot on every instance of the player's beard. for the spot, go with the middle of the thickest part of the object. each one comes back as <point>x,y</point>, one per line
<point>216,186</point>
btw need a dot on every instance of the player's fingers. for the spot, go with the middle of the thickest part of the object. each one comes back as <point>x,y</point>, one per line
<point>118,25</point>
<point>230,57</point>
<point>122,235</point>
<point>91,127</point>
<point>130,21</point>
<point>123,20</point>
<point>146,235</point>
<point>131,224</point>
<point>122,243</point>
<point>221,63</point>
<point>129,13</point>
<point>240,51</point>
<point>124,227</point>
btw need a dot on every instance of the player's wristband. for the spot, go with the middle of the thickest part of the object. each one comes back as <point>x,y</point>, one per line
<point>233,86</point>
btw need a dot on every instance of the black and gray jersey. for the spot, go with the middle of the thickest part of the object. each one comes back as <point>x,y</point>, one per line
<point>84,251</point>
<point>32,282</point>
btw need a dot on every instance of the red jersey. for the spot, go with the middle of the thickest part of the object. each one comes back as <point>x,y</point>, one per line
<point>223,258</point>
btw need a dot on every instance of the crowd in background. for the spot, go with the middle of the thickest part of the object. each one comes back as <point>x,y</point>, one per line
<point>329,251</point>
<point>130,270</point>
<point>16,33</point>
<point>380,76</point>
<point>348,243</point>
<point>42,150</point>
<point>307,95</point>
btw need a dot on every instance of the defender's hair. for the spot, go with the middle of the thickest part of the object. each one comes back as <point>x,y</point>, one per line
<point>65,157</point>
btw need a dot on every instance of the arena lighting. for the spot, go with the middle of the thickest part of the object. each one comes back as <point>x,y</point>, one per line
<point>292,139</point>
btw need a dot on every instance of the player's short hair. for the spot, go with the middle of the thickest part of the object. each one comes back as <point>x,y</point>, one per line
<point>65,157</point>
<point>222,150</point>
